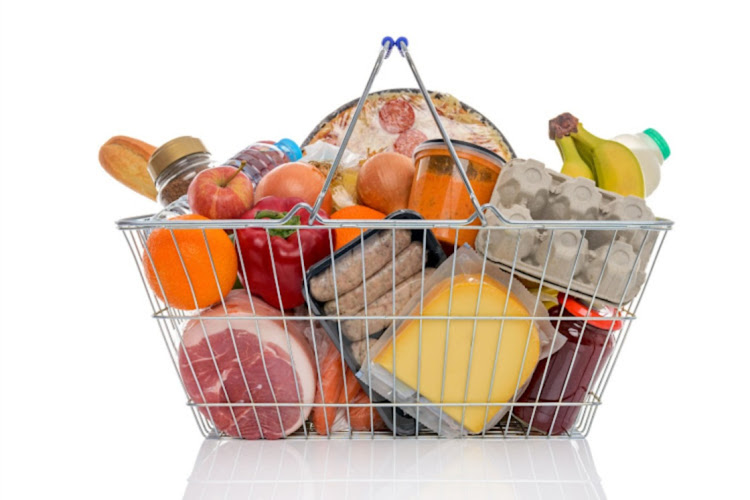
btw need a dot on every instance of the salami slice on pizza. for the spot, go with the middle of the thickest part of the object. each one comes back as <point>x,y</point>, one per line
<point>399,120</point>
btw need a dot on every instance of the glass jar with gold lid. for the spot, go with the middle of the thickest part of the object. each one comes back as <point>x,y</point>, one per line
<point>175,164</point>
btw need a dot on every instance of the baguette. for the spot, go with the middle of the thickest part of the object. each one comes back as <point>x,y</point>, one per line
<point>126,159</point>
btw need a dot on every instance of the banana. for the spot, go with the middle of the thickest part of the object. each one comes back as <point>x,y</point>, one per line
<point>585,153</point>
<point>573,165</point>
<point>615,166</point>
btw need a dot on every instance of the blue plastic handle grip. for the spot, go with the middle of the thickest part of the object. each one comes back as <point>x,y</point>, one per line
<point>390,43</point>
<point>401,39</point>
<point>387,39</point>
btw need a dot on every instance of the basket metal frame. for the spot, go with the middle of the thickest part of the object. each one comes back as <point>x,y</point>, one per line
<point>171,320</point>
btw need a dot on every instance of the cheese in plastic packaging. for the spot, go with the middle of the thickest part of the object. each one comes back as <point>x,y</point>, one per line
<point>474,341</point>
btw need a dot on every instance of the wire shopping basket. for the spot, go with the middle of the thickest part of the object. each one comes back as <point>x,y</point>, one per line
<point>466,349</point>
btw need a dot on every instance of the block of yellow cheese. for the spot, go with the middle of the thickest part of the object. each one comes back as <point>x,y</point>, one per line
<point>519,336</point>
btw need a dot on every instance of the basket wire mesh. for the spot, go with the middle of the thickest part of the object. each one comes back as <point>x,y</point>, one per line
<point>172,320</point>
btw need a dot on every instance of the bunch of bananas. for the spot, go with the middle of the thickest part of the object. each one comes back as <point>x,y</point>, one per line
<point>608,163</point>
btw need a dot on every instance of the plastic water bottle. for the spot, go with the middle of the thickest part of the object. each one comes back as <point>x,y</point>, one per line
<point>261,157</point>
<point>650,148</point>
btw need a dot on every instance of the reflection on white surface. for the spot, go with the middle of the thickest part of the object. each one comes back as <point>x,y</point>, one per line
<point>378,469</point>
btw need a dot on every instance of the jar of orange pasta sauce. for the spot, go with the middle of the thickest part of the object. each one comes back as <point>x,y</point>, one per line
<point>438,192</point>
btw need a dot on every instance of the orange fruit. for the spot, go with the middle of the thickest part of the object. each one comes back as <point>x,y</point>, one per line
<point>192,247</point>
<point>346,234</point>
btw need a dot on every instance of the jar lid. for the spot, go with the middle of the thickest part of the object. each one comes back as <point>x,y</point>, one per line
<point>171,151</point>
<point>577,309</point>
<point>461,147</point>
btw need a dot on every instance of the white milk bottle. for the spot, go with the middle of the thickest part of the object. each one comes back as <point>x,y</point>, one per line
<point>650,148</point>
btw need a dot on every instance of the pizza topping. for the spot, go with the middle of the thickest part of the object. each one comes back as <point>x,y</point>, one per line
<point>379,125</point>
<point>396,116</point>
<point>408,141</point>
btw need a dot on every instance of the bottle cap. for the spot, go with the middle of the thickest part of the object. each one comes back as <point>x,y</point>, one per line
<point>578,309</point>
<point>171,151</point>
<point>660,141</point>
<point>290,149</point>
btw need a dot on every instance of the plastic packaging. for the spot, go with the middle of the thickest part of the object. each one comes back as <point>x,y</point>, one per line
<point>344,184</point>
<point>477,352</point>
<point>579,362</point>
<point>403,424</point>
<point>261,157</point>
<point>438,191</point>
<point>526,191</point>
<point>336,385</point>
<point>178,207</point>
<point>651,150</point>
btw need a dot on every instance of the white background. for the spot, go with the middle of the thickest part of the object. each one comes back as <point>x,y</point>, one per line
<point>89,404</point>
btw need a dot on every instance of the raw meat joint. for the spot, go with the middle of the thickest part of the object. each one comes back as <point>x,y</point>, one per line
<point>272,368</point>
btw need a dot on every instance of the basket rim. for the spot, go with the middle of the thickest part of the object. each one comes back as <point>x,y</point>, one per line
<point>472,223</point>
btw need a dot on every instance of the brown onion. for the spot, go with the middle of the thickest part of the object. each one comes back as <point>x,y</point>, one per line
<point>384,182</point>
<point>295,180</point>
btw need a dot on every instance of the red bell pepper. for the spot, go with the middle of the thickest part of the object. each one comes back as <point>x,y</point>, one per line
<point>273,255</point>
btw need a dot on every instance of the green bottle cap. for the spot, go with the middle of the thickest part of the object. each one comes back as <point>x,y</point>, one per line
<point>659,140</point>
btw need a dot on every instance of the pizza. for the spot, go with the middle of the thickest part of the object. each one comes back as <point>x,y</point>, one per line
<point>399,120</point>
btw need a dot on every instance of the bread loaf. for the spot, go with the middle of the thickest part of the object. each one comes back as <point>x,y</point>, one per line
<point>126,159</point>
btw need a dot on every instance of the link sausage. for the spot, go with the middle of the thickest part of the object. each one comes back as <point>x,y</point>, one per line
<point>408,262</point>
<point>359,350</point>
<point>354,329</point>
<point>349,268</point>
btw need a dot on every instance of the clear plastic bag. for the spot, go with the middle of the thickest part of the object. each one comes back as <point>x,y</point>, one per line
<point>337,385</point>
<point>344,185</point>
<point>475,347</point>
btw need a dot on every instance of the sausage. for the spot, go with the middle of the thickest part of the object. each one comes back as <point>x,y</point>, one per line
<point>333,385</point>
<point>377,253</point>
<point>354,329</point>
<point>359,350</point>
<point>408,262</point>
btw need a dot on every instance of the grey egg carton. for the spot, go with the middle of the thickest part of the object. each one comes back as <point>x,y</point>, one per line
<point>527,191</point>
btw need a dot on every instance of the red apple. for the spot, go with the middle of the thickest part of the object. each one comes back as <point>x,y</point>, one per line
<point>220,193</point>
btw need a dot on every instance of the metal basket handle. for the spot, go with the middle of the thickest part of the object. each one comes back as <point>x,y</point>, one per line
<point>387,45</point>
